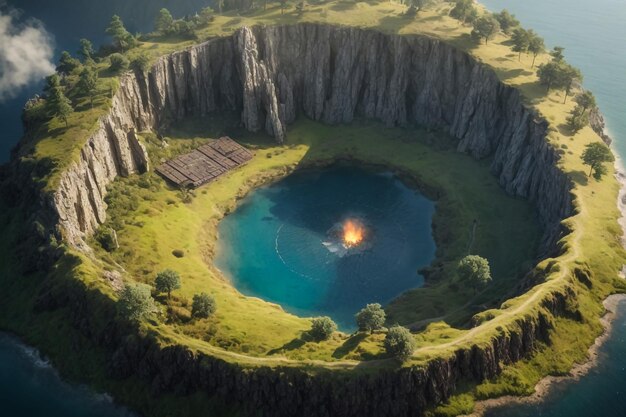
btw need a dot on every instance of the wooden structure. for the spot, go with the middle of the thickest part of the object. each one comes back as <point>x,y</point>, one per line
<point>205,163</point>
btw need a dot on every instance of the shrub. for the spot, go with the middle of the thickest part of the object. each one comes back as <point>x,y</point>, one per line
<point>371,318</point>
<point>167,281</point>
<point>179,253</point>
<point>203,305</point>
<point>135,302</point>
<point>475,271</point>
<point>399,343</point>
<point>322,328</point>
<point>141,63</point>
<point>107,238</point>
<point>118,62</point>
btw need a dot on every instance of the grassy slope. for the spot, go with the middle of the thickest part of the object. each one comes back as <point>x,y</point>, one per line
<point>595,240</point>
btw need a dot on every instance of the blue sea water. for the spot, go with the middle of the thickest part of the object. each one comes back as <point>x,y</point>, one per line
<point>594,35</point>
<point>281,245</point>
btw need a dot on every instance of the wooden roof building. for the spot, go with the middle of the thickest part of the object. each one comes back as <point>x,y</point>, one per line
<point>205,163</point>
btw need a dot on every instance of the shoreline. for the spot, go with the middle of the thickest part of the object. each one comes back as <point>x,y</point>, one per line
<point>545,385</point>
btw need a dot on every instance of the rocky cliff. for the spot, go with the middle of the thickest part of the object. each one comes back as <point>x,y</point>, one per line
<point>331,74</point>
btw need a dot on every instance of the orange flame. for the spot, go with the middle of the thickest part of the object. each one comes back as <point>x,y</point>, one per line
<point>353,233</point>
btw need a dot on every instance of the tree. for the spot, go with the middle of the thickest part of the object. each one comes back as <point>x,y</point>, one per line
<point>371,317</point>
<point>399,343</point>
<point>52,81</point>
<point>88,83</point>
<point>67,63</point>
<point>283,6</point>
<point>59,105</point>
<point>86,50</point>
<point>207,15</point>
<point>595,155</point>
<point>569,76</point>
<point>140,63</point>
<point>577,119</point>
<point>164,22</point>
<point>322,328</point>
<point>122,39</point>
<point>485,27</point>
<point>118,62</point>
<point>521,41</point>
<point>557,53</point>
<point>586,100</point>
<point>203,305</point>
<point>464,10</point>
<point>135,302</point>
<point>167,281</point>
<point>507,21</point>
<point>549,74</point>
<point>475,271</point>
<point>414,7</point>
<point>535,45</point>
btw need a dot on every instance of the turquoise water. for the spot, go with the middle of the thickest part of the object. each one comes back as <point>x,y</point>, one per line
<point>280,244</point>
<point>29,387</point>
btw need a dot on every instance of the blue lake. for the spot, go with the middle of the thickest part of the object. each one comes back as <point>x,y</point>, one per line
<point>284,242</point>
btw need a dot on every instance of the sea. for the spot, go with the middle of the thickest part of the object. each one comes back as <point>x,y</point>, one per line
<point>594,36</point>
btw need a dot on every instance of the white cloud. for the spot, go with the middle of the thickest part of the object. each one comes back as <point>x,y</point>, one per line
<point>26,52</point>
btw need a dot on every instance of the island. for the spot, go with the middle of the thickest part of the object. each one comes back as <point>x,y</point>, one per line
<point>133,157</point>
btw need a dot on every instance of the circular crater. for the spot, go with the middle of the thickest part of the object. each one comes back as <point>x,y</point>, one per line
<point>328,241</point>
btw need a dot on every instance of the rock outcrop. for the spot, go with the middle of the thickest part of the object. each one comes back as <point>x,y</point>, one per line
<point>331,74</point>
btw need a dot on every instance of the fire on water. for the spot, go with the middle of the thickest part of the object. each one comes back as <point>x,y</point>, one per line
<point>353,233</point>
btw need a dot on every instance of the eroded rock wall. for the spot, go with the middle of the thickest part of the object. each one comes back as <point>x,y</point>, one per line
<point>330,74</point>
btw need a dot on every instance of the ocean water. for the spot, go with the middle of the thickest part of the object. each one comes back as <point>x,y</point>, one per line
<point>282,243</point>
<point>30,387</point>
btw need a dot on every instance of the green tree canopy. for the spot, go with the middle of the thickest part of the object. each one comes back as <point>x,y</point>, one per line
<point>88,83</point>
<point>203,305</point>
<point>322,328</point>
<point>586,100</point>
<point>595,155</point>
<point>118,62</point>
<point>485,27</point>
<point>399,343</point>
<point>164,22</point>
<point>141,63</point>
<point>557,53</point>
<point>464,10</point>
<point>535,45</point>
<point>167,281</point>
<point>86,50</point>
<point>507,21</point>
<point>122,39</point>
<point>58,105</point>
<point>475,271</point>
<point>135,302</point>
<point>371,317</point>
<point>569,77</point>
<point>577,119</point>
<point>67,63</point>
<point>521,42</point>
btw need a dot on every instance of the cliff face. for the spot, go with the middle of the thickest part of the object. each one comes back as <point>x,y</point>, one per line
<point>330,74</point>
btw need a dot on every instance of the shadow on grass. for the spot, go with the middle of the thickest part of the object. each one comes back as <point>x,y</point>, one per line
<point>294,344</point>
<point>579,177</point>
<point>349,345</point>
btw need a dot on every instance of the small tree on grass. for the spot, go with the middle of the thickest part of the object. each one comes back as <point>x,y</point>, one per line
<point>67,63</point>
<point>586,101</point>
<point>577,119</point>
<point>521,41</point>
<point>58,105</point>
<point>557,54</point>
<point>569,77</point>
<point>475,271</point>
<point>399,343</point>
<point>164,22</point>
<point>485,27</point>
<point>118,62</point>
<point>167,281</point>
<point>595,155</point>
<point>371,318</point>
<point>122,39</point>
<point>88,83</point>
<point>135,302</point>
<point>535,45</point>
<point>507,21</point>
<point>86,50</point>
<point>283,6</point>
<point>322,328</point>
<point>140,63</point>
<point>464,10</point>
<point>203,305</point>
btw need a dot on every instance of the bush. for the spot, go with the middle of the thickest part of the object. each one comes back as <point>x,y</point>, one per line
<point>399,343</point>
<point>107,238</point>
<point>203,305</point>
<point>167,281</point>
<point>141,63</point>
<point>322,328</point>
<point>371,318</point>
<point>135,302</point>
<point>118,62</point>
<point>179,253</point>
